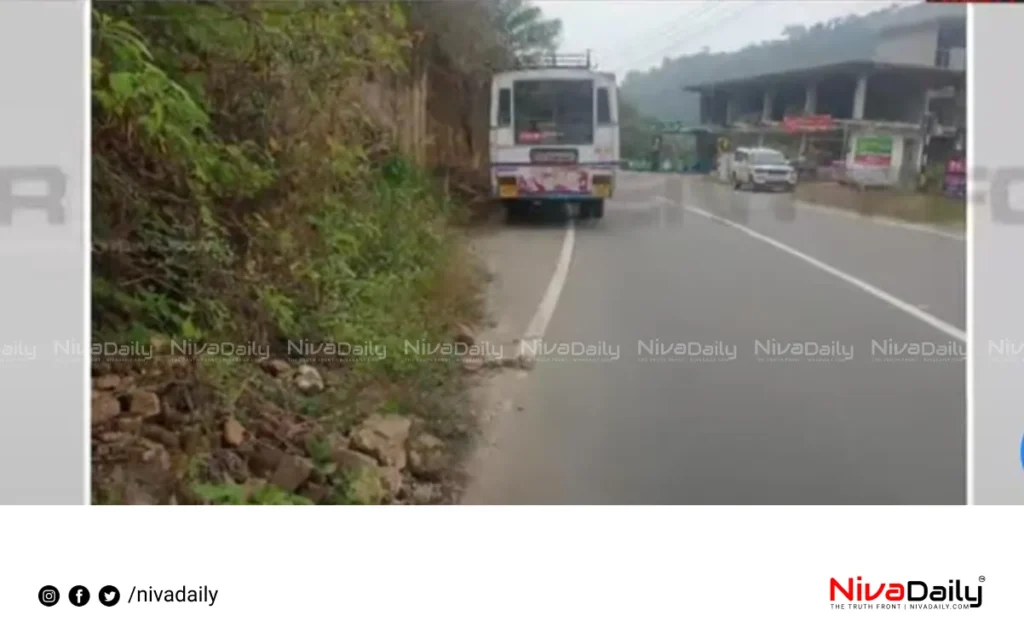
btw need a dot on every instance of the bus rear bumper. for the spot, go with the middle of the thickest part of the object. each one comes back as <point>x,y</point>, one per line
<point>569,184</point>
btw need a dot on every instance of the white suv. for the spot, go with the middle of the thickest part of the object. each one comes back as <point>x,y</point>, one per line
<point>761,167</point>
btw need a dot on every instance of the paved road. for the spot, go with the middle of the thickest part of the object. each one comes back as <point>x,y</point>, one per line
<point>615,417</point>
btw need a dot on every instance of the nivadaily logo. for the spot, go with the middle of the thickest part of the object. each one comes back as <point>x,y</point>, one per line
<point>913,594</point>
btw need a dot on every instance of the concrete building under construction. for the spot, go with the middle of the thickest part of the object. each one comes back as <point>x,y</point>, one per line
<point>882,118</point>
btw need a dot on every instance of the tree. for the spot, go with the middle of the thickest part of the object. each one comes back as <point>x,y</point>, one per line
<point>659,92</point>
<point>794,31</point>
<point>526,32</point>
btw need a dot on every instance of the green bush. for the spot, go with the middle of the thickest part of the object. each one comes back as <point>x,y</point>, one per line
<point>257,204</point>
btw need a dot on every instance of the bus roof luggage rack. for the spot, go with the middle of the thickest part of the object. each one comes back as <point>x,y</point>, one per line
<point>555,60</point>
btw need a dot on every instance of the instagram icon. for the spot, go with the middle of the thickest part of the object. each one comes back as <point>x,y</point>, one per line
<point>49,596</point>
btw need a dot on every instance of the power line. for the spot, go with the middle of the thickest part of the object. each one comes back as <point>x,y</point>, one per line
<point>718,23</point>
<point>672,34</point>
<point>648,36</point>
<point>708,22</point>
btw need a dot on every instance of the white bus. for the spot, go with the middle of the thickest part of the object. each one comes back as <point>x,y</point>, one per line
<point>554,136</point>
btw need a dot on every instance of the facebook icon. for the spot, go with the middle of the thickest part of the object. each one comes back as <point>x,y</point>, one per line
<point>79,596</point>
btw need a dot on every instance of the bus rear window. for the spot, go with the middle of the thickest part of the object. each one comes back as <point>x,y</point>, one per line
<point>504,107</point>
<point>553,111</point>
<point>604,108</point>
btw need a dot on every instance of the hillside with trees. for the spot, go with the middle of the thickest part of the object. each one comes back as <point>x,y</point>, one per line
<point>659,92</point>
<point>264,174</point>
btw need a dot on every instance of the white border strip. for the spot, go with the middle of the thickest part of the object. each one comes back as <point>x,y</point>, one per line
<point>87,240</point>
<point>917,313</point>
<point>969,483</point>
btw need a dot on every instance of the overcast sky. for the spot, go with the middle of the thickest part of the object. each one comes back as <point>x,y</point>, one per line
<point>636,34</point>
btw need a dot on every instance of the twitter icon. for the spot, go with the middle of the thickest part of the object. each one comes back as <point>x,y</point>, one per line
<point>109,596</point>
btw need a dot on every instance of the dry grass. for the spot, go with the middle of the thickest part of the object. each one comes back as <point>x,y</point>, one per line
<point>901,205</point>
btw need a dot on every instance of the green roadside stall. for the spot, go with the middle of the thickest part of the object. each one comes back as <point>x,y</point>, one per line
<point>697,149</point>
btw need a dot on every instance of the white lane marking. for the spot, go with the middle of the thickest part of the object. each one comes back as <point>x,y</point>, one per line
<point>539,323</point>
<point>909,226</point>
<point>935,322</point>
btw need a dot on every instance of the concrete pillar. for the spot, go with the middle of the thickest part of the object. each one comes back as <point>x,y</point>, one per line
<point>766,105</point>
<point>810,99</point>
<point>860,96</point>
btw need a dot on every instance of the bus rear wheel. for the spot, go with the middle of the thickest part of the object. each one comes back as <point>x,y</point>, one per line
<point>592,209</point>
<point>515,210</point>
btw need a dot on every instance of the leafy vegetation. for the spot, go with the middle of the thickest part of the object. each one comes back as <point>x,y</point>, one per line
<point>244,191</point>
<point>636,131</point>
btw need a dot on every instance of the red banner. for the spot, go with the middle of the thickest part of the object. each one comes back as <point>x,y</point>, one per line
<point>808,123</point>
<point>873,161</point>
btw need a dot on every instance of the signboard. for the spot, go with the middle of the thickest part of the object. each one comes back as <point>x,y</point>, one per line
<point>808,123</point>
<point>553,156</point>
<point>873,151</point>
<point>955,184</point>
<point>538,136</point>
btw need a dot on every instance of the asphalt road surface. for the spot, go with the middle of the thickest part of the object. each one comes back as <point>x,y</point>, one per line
<point>670,368</point>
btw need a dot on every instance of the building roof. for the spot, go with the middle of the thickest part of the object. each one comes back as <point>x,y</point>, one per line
<point>811,72</point>
<point>924,14</point>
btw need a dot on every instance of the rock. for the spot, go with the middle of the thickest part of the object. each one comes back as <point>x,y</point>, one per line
<point>104,407</point>
<point>423,494</point>
<point>383,437</point>
<point>171,416</point>
<point>292,472</point>
<point>316,493</point>
<point>194,441</point>
<point>464,334</point>
<point>129,423</point>
<point>368,482</point>
<point>156,455</point>
<point>234,432</point>
<point>391,480</point>
<point>229,465</point>
<point>308,380</point>
<point>135,495</point>
<point>350,461</point>
<point>265,458</point>
<point>494,361</point>
<point>144,403</point>
<point>510,361</point>
<point>472,364</point>
<point>277,367</point>
<point>366,489</point>
<point>428,457</point>
<point>161,435</point>
<point>106,382</point>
